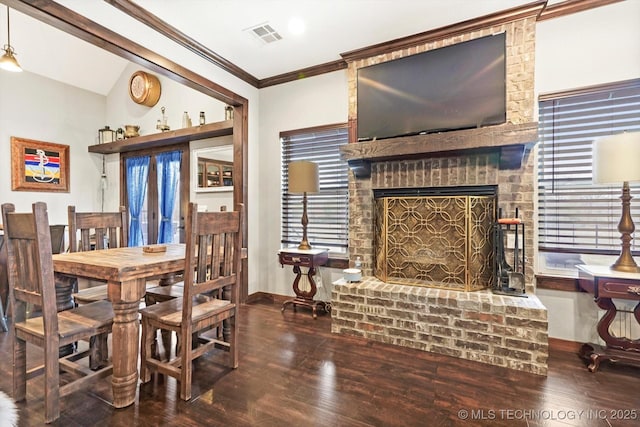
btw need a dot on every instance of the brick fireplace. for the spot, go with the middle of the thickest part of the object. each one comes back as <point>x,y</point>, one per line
<point>479,325</point>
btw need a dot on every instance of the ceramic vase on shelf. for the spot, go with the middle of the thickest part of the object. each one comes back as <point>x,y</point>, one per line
<point>131,131</point>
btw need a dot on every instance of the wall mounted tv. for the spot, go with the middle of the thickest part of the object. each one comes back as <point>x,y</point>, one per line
<point>455,87</point>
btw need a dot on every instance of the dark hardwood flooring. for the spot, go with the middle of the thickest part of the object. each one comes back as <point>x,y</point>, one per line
<point>294,372</point>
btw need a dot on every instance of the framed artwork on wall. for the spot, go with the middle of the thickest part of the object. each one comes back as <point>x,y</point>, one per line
<point>39,166</point>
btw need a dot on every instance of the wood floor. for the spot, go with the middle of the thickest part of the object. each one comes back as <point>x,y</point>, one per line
<point>294,372</point>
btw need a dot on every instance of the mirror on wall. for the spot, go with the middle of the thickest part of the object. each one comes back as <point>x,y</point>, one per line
<point>213,169</point>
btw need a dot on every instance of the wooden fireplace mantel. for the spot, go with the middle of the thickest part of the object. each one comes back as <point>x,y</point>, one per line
<point>509,139</point>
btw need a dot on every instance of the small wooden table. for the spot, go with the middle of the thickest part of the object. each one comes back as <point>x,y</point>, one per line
<point>311,258</point>
<point>126,271</point>
<point>605,284</point>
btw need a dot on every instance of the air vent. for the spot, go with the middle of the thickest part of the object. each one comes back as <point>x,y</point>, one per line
<point>265,33</point>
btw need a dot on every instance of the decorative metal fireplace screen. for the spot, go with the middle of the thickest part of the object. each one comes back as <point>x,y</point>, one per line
<point>435,241</point>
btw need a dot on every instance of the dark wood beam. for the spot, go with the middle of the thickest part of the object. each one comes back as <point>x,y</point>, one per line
<point>75,24</point>
<point>162,27</point>
<point>490,137</point>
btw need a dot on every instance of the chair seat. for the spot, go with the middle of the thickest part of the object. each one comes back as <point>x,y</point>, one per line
<point>166,292</point>
<point>97,293</point>
<point>170,312</point>
<point>95,315</point>
<point>92,294</point>
<point>74,324</point>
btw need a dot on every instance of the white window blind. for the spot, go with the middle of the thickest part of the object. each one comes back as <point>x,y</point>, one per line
<point>327,210</point>
<point>575,215</point>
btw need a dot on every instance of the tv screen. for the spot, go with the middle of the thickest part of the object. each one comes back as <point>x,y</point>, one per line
<point>455,87</point>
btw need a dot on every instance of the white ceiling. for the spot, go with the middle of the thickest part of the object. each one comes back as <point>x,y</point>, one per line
<point>332,27</point>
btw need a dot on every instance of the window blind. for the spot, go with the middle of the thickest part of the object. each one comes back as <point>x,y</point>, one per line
<point>327,210</point>
<point>575,215</point>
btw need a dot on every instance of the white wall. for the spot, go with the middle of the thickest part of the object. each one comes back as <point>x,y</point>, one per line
<point>597,46</point>
<point>42,109</point>
<point>304,103</point>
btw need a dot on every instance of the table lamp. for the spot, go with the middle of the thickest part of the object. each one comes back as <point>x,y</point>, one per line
<point>303,178</point>
<point>616,159</point>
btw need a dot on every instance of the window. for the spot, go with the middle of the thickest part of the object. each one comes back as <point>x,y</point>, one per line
<point>575,215</point>
<point>159,181</point>
<point>328,210</point>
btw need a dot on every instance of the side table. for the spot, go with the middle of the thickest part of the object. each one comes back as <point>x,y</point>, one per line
<point>311,259</point>
<point>605,284</point>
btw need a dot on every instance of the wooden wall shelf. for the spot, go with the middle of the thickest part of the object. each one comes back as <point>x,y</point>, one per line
<point>160,139</point>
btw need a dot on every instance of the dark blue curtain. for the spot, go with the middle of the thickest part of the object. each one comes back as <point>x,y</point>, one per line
<point>137,176</point>
<point>168,179</point>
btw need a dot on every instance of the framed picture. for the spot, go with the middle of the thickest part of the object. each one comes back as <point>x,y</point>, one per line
<point>39,166</point>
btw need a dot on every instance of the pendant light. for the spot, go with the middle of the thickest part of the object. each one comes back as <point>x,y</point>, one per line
<point>8,61</point>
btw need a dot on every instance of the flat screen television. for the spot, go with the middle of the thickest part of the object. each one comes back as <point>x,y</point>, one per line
<point>455,87</point>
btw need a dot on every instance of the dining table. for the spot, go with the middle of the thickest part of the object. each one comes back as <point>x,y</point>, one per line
<point>126,271</point>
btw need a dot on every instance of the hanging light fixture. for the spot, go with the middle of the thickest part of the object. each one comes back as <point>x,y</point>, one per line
<point>8,61</point>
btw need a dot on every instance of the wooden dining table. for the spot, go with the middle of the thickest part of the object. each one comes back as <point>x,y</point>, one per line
<point>126,271</point>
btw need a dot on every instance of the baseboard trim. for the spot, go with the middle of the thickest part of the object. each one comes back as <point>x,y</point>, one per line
<point>558,344</point>
<point>267,297</point>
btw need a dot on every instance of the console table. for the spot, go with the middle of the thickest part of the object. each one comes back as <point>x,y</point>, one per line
<point>605,284</point>
<point>311,259</point>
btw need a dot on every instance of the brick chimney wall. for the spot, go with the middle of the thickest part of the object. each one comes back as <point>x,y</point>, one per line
<point>515,187</point>
<point>489,328</point>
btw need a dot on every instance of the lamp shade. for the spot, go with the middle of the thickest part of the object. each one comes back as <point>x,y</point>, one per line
<point>9,62</point>
<point>303,177</point>
<point>616,158</point>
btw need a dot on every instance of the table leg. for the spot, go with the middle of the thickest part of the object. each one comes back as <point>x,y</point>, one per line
<point>305,298</point>
<point>617,349</point>
<point>65,286</point>
<point>125,298</point>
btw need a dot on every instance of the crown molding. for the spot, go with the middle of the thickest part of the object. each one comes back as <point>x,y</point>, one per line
<point>160,26</point>
<point>303,73</point>
<point>494,19</point>
<point>79,26</point>
<point>569,7</point>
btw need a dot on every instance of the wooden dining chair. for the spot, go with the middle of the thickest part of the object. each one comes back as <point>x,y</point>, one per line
<point>165,292</point>
<point>31,282</point>
<point>210,296</point>
<point>96,230</point>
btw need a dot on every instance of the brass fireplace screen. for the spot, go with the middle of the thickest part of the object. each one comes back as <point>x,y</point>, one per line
<point>435,241</point>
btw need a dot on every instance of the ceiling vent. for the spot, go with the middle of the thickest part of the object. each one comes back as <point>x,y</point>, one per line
<point>265,33</point>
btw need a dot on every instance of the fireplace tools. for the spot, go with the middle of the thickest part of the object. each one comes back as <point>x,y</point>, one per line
<point>510,280</point>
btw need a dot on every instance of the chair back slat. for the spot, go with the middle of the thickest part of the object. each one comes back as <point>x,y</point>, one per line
<point>98,230</point>
<point>30,263</point>
<point>213,255</point>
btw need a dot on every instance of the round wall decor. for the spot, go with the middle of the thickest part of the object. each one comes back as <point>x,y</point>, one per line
<point>144,88</point>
